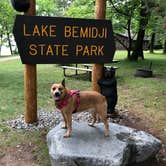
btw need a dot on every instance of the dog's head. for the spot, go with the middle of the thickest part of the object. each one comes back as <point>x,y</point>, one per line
<point>58,91</point>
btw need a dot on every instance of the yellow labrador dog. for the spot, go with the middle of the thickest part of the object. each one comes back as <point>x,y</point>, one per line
<point>72,101</point>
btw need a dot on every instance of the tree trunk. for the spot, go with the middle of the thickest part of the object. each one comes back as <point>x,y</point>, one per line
<point>152,43</point>
<point>97,69</point>
<point>138,48</point>
<point>9,41</point>
<point>164,49</point>
<point>129,38</point>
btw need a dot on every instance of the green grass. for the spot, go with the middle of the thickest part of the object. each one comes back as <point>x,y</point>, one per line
<point>148,90</point>
<point>144,96</point>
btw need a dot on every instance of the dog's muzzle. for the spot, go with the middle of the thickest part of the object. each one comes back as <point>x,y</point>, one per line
<point>56,96</point>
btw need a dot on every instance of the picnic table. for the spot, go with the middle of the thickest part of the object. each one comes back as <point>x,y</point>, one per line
<point>86,67</point>
<point>76,69</point>
<point>90,65</point>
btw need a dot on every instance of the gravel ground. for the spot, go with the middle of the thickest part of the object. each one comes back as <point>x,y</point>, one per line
<point>50,119</point>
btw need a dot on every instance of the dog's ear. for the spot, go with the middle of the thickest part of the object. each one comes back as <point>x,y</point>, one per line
<point>63,82</point>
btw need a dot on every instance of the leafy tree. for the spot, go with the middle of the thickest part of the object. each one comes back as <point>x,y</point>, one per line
<point>52,7</point>
<point>156,24</point>
<point>144,14</point>
<point>45,8</point>
<point>135,16</point>
<point>81,9</point>
<point>123,13</point>
<point>7,15</point>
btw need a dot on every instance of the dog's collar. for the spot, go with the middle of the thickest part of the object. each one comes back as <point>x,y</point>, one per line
<point>60,105</point>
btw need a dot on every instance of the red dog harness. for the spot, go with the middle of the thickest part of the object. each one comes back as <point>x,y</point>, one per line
<point>63,103</point>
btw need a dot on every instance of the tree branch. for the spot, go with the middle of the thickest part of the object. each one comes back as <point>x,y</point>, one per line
<point>117,10</point>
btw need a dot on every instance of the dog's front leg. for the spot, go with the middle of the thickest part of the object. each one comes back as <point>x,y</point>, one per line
<point>64,126</point>
<point>69,125</point>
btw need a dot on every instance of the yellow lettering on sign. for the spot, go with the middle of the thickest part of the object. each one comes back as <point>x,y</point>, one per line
<point>83,33</point>
<point>44,30</point>
<point>79,48</point>
<point>41,48</point>
<point>86,51</point>
<point>93,50</point>
<point>49,50</point>
<point>75,32</point>
<point>33,49</point>
<point>24,31</point>
<point>94,32</point>
<point>100,50</point>
<point>64,50</point>
<point>56,46</point>
<point>36,31</point>
<point>103,33</point>
<point>89,32</point>
<point>52,30</point>
<point>67,31</point>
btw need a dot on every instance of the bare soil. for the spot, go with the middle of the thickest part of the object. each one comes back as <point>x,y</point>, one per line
<point>21,155</point>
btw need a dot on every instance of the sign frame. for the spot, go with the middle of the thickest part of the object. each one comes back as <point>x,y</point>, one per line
<point>44,46</point>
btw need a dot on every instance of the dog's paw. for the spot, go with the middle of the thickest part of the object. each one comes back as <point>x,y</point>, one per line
<point>64,126</point>
<point>107,134</point>
<point>67,135</point>
<point>91,124</point>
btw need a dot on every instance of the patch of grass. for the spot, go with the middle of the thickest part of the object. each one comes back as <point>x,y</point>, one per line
<point>144,96</point>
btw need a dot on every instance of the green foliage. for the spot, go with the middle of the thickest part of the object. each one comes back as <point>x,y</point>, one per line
<point>7,15</point>
<point>121,12</point>
<point>157,19</point>
<point>81,9</point>
<point>52,7</point>
<point>45,7</point>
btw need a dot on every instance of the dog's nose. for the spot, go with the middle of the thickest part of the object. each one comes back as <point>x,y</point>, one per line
<point>57,94</point>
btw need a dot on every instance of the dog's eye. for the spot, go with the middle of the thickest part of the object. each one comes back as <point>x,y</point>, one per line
<point>53,89</point>
<point>59,89</point>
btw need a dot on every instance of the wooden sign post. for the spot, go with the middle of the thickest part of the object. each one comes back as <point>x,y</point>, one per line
<point>100,12</point>
<point>30,80</point>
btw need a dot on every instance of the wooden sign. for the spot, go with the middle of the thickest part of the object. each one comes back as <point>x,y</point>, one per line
<point>49,40</point>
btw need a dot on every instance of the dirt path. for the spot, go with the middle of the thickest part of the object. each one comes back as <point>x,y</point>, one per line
<point>9,58</point>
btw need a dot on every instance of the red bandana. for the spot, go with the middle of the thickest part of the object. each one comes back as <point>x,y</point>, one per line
<point>62,104</point>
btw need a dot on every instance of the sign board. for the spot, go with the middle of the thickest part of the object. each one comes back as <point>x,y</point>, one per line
<point>49,40</point>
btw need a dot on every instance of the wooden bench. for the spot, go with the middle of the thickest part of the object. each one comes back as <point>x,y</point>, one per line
<point>87,68</point>
<point>113,61</point>
<point>89,71</point>
<point>90,65</point>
